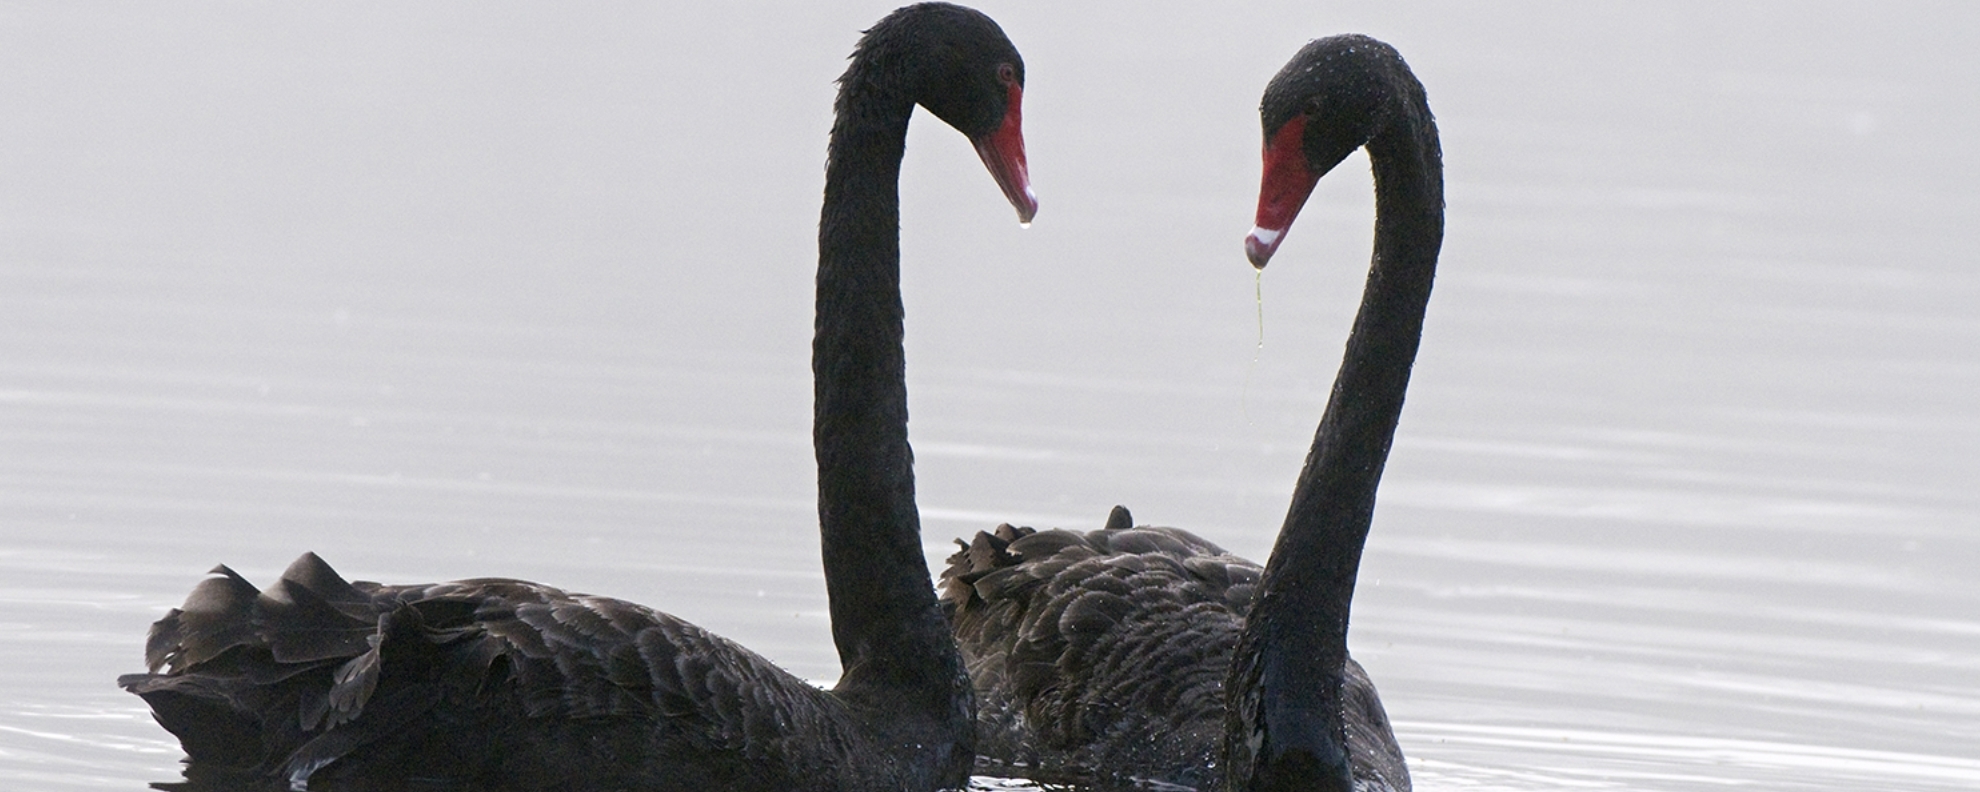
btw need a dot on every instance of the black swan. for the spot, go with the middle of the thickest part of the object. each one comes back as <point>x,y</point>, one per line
<point>501,684</point>
<point>1129,655</point>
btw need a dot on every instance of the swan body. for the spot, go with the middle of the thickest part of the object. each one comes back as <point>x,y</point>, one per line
<point>1107,653</point>
<point>490,684</point>
<point>1132,656</point>
<point>487,684</point>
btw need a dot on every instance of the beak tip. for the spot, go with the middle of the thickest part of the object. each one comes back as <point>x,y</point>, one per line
<point>1261,243</point>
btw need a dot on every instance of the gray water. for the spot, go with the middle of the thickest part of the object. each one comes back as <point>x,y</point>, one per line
<point>1685,496</point>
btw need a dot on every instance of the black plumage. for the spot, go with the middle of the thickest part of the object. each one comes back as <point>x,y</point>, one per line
<point>1129,656</point>
<point>495,684</point>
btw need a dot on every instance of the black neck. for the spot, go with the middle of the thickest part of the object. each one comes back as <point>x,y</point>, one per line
<point>894,646</point>
<point>1294,648</point>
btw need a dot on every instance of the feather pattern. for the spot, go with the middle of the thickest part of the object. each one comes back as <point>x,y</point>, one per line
<point>1136,656</point>
<point>1100,657</point>
<point>485,673</point>
<point>495,684</point>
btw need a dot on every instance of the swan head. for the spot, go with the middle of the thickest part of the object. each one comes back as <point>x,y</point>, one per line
<point>1335,96</point>
<point>957,63</point>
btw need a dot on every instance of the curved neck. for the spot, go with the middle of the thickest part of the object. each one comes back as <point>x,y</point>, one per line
<point>894,647</point>
<point>1295,644</point>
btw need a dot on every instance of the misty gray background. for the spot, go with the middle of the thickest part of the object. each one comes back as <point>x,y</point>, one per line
<point>1685,495</point>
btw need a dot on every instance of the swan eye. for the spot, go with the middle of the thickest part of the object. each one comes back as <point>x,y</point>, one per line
<point>1006,74</point>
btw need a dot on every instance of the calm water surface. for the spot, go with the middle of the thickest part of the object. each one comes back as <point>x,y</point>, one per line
<point>1685,496</point>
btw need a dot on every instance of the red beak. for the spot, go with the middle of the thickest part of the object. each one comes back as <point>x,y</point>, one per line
<point>1003,153</point>
<point>1287,184</point>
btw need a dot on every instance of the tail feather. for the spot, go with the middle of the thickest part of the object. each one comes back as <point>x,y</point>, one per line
<point>253,674</point>
<point>312,573</point>
<point>215,618</point>
<point>205,717</point>
<point>320,680</point>
<point>297,625</point>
